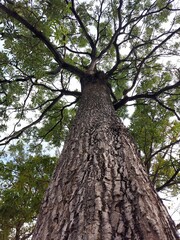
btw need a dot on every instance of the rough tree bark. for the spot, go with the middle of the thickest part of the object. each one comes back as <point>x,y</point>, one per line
<point>100,190</point>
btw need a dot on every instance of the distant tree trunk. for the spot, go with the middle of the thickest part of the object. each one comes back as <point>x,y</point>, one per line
<point>18,231</point>
<point>100,190</point>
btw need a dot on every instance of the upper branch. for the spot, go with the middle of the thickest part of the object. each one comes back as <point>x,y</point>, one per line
<point>44,39</point>
<point>169,181</point>
<point>148,95</point>
<point>148,56</point>
<point>115,35</point>
<point>87,35</point>
<point>164,148</point>
<point>134,21</point>
<point>168,108</point>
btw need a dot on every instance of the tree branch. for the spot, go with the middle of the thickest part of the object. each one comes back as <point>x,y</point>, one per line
<point>149,95</point>
<point>61,111</point>
<point>44,39</point>
<point>163,148</point>
<point>135,20</point>
<point>169,181</point>
<point>25,79</point>
<point>147,57</point>
<point>17,134</point>
<point>115,35</point>
<point>88,37</point>
<point>166,107</point>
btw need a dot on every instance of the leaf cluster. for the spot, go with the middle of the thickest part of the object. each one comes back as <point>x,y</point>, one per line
<point>24,178</point>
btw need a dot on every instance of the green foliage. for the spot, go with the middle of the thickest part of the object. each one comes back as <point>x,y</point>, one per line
<point>154,130</point>
<point>24,178</point>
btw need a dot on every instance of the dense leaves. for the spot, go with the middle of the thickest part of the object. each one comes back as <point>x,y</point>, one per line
<point>157,136</point>
<point>24,178</point>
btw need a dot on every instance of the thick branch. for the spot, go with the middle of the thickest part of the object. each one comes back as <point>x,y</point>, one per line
<point>149,95</point>
<point>169,181</point>
<point>163,148</point>
<point>44,39</point>
<point>62,91</point>
<point>167,108</point>
<point>25,79</point>
<point>88,37</point>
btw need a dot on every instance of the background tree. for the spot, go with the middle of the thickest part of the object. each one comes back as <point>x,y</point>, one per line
<point>49,45</point>
<point>24,178</point>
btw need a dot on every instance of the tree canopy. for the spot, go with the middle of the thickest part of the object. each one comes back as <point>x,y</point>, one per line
<point>24,179</point>
<point>48,46</point>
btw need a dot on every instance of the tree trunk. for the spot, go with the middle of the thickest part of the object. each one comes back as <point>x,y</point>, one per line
<point>100,190</point>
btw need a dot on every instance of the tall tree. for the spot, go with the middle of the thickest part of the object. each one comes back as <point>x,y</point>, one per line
<point>116,51</point>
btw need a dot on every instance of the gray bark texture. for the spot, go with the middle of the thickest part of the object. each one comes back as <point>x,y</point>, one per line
<point>100,190</point>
